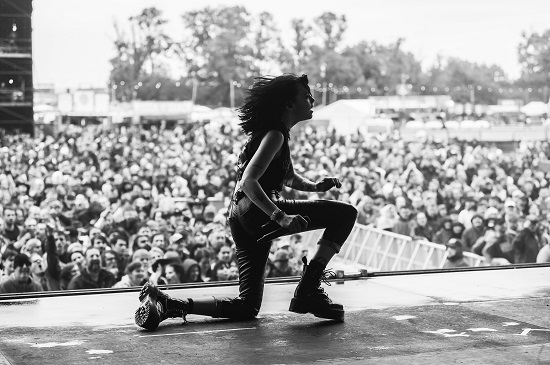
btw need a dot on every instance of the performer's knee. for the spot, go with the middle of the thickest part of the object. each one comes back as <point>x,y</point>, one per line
<point>350,212</point>
<point>235,308</point>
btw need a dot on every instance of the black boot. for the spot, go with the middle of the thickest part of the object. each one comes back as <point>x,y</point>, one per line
<point>156,306</point>
<point>309,297</point>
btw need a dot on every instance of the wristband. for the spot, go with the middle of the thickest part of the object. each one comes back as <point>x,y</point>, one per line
<point>277,214</point>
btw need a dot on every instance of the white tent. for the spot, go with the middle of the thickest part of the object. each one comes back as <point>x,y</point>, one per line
<point>535,108</point>
<point>200,113</point>
<point>416,124</point>
<point>483,123</point>
<point>349,116</point>
<point>468,124</point>
<point>452,124</point>
<point>433,124</point>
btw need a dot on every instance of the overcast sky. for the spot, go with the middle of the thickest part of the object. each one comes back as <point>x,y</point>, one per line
<point>73,39</point>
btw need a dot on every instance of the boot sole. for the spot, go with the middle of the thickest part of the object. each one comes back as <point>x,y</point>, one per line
<point>303,306</point>
<point>146,315</point>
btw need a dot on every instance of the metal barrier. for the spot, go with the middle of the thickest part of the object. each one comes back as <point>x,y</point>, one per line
<point>381,250</point>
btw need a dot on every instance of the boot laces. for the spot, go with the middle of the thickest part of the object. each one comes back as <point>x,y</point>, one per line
<point>175,313</point>
<point>169,311</point>
<point>327,274</point>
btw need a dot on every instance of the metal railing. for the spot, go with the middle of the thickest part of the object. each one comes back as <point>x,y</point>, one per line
<point>381,250</point>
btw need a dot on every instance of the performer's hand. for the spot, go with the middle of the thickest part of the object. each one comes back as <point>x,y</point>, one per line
<point>294,223</point>
<point>328,183</point>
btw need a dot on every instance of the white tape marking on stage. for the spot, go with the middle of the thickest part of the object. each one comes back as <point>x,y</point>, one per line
<point>98,352</point>
<point>199,332</point>
<point>3,360</point>
<point>527,330</point>
<point>403,318</point>
<point>481,330</point>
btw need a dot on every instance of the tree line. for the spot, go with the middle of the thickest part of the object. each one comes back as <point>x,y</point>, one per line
<point>220,50</point>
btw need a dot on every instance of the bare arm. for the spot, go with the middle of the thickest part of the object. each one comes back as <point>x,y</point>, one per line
<point>298,182</point>
<point>268,149</point>
<point>269,146</point>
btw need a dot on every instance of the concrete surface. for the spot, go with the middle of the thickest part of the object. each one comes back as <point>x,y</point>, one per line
<point>481,317</point>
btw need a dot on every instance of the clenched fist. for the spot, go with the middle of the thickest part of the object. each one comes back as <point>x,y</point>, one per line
<point>328,183</point>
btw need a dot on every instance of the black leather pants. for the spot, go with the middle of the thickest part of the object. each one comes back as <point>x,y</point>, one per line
<point>245,220</point>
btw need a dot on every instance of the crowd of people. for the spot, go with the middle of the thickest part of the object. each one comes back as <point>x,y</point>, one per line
<point>97,208</point>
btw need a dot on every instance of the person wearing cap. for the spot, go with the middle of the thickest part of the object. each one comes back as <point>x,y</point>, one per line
<point>455,257</point>
<point>472,235</point>
<point>510,206</point>
<point>281,266</point>
<point>445,233</point>
<point>527,244</point>
<point>498,249</point>
<point>20,280</point>
<point>457,229</point>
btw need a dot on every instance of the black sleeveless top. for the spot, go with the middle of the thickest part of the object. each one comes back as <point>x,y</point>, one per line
<point>274,175</point>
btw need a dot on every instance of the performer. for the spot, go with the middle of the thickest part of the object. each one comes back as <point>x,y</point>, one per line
<point>273,106</point>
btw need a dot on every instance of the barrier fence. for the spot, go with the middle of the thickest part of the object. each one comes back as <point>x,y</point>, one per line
<point>381,250</point>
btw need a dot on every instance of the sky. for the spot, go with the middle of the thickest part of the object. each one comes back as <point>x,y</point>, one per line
<point>73,39</point>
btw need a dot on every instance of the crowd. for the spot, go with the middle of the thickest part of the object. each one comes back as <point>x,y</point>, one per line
<point>95,208</point>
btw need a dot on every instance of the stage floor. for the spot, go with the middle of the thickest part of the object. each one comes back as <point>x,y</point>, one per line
<point>481,317</point>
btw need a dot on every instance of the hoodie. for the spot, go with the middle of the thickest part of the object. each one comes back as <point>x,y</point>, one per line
<point>188,264</point>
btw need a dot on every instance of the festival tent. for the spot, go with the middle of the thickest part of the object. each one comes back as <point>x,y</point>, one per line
<point>535,108</point>
<point>483,123</point>
<point>433,124</point>
<point>349,116</point>
<point>200,113</point>
<point>415,124</point>
<point>452,124</point>
<point>468,124</point>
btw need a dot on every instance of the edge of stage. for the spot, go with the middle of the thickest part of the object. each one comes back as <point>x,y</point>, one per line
<point>490,316</point>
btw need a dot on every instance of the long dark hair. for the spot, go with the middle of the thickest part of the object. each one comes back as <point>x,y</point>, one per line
<point>266,100</point>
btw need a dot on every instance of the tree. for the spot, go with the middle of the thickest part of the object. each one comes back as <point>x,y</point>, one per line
<point>269,53</point>
<point>137,56</point>
<point>384,67</point>
<point>462,78</point>
<point>333,70</point>
<point>301,47</point>
<point>332,28</point>
<point>217,50</point>
<point>534,58</point>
